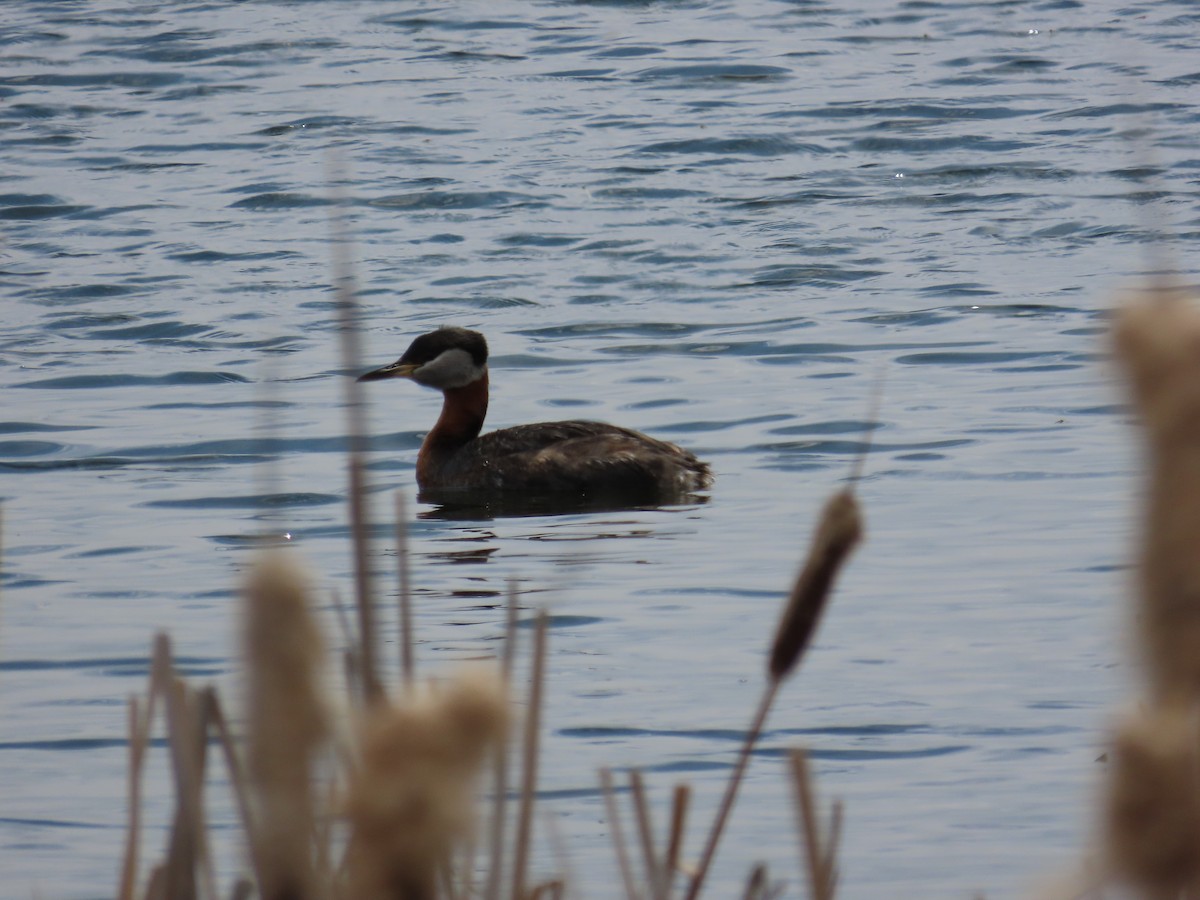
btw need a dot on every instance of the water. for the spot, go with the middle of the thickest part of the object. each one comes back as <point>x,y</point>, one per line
<point>716,222</point>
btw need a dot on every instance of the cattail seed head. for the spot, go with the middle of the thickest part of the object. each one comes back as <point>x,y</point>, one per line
<point>1157,337</point>
<point>838,533</point>
<point>286,721</point>
<point>411,797</point>
<point>1153,818</point>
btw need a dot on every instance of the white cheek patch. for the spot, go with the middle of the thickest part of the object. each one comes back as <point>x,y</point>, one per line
<point>451,369</point>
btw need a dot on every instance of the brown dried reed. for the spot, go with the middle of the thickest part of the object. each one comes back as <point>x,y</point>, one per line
<point>1152,821</point>
<point>409,769</point>
<point>393,810</point>
<point>410,800</point>
<point>1157,336</point>
<point>838,532</point>
<point>287,722</point>
<point>1153,816</point>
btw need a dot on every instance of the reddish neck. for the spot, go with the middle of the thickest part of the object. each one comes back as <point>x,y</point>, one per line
<point>463,412</point>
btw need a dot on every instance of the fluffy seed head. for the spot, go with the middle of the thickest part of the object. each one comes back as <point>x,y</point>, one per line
<point>411,798</point>
<point>1153,820</point>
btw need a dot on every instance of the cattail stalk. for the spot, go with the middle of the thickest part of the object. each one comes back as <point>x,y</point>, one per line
<point>346,295</point>
<point>287,724</point>
<point>233,765</point>
<point>496,855</point>
<point>139,726</point>
<point>404,576</point>
<point>819,852</point>
<point>549,890</point>
<point>187,856</point>
<point>529,758</point>
<point>679,808</point>
<point>141,720</point>
<point>839,531</point>
<point>756,883</point>
<point>617,833</point>
<point>645,830</point>
<point>731,789</point>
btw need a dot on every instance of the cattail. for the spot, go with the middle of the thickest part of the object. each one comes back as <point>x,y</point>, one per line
<point>1158,339</point>
<point>411,798</point>
<point>286,724</point>
<point>838,532</point>
<point>1154,802</point>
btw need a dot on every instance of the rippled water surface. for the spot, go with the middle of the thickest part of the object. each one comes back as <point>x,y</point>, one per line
<point>716,222</point>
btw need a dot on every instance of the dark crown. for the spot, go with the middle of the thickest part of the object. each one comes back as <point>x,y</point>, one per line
<point>429,347</point>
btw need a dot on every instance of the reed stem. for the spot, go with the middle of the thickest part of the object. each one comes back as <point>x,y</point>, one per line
<point>529,759</point>
<point>356,427</point>
<point>679,808</point>
<point>404,573</point>
<point>617,832</point>
<point>815,857</point>
<point>731,789</point>
<point>641,808</point>
<point>500,760</point>
<point>137,752</point>
<point>237,777</point>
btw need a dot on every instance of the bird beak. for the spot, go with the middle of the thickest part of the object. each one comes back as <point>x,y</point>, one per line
<point>391,370</point>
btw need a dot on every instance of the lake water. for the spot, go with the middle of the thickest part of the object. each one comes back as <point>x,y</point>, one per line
<point>715,222</point>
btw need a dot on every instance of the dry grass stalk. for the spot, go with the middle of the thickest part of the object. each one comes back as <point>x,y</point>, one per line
<point>139,734</point>
<point>839,531</point>
<point>820,851</point>
<point>549,890</point>
<point>403,572</point>
<point>411,798</point>
<point>731,788</point>
<point>364,602</point>
<point>141,719</point>
<point>287,724</point>
<point>832,841</point>
<point>617,833</point>
<point>645,830</point>
<point>463,887</point>
<point>352,669</point>
<point>511,611</point>
<point>496,831</point>
<point>233,764</point>
<point>356,429</point>
<point>155,884</point>
<point>529,758</point>
<point>679,809</point>
<point>187,740</point>
<point>756,883</point>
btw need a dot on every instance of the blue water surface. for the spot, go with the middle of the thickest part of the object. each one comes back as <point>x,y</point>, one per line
<point>718,222</point>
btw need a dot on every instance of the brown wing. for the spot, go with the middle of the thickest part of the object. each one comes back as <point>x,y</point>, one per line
<point>591,458</point>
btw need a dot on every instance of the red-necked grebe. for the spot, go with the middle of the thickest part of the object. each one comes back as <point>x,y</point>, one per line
<point>589,459</point>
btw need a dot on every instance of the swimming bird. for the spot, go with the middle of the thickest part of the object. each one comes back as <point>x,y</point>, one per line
<point>579,458</point>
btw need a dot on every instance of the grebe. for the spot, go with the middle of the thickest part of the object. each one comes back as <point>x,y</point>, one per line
<point>585,459</point>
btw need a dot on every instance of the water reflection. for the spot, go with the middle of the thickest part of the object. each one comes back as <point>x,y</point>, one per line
<point>469,506</point>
